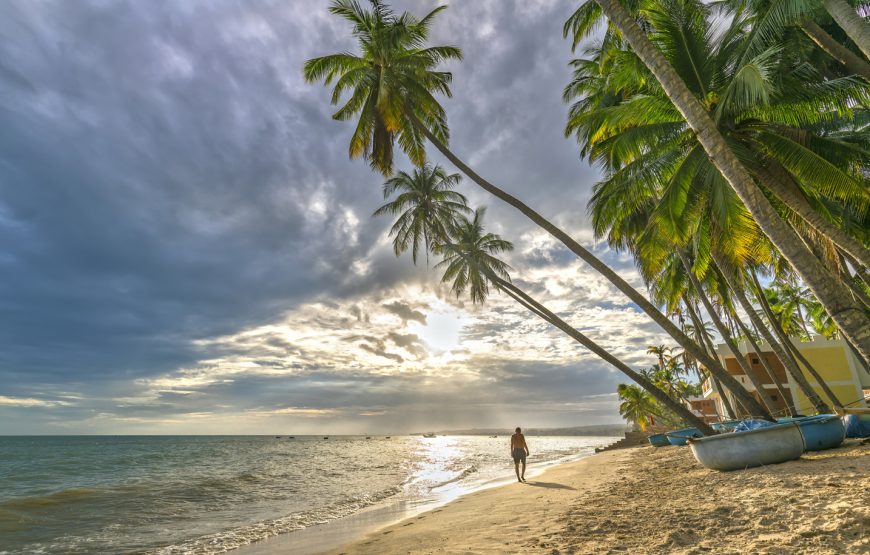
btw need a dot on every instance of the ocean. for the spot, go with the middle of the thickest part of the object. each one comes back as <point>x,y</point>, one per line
<point>211,494</point>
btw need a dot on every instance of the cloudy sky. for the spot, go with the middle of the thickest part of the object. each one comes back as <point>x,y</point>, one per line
<point>186,247</point>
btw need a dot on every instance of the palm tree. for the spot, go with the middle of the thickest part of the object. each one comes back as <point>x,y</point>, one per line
<point>470,256</point>
<point>792,298</point>
<point>471,260</point>
<point>427,207</point>
<point>780,347</point>
<point>850,317</point>
<point>471,264</point>
<point>622,204</point>
<point>383,86</point>
<point>393,71</point>
<point>660,351</point>
<point>636,405</point>
<point>821,321</point>
<point>753,101</point>
<point>846,17</point>
<point>724,332</point>
<point>793,352</point>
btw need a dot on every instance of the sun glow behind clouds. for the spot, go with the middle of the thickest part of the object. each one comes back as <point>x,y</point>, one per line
<point>442,329</point>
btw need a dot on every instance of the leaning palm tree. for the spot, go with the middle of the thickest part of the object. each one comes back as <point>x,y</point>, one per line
<point>833,294</point>
<point>393,71</point>
<point>855,26</point>
<point>471,265</point>
<point>391,86</point>
<point>426,206</point>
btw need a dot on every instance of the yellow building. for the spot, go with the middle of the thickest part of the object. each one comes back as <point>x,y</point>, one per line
<point>833,360</point>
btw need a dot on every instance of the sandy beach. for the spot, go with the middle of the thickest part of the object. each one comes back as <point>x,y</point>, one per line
<point>646,500</point>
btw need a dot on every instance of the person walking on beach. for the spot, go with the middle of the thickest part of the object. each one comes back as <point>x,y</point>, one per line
<point>519,451</point>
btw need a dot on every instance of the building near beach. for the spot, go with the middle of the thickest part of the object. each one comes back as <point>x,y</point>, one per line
<point>705,409</point>
<point>834,361</point>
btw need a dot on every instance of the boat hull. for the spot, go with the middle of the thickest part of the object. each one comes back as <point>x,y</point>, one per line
<point>659,440</point>
<point>825,431</point>
<point>736,450</point>
<point>681,437</point>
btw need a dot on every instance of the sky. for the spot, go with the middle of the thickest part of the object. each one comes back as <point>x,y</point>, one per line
<point>187,249</point>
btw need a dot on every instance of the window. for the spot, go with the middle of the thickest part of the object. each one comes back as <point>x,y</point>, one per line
<point>754,361</point>
<point>773,397</point>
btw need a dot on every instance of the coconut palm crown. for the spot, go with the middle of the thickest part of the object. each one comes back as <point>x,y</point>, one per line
<point>470,258</point>
<point>393,73</point>
<point>426,205</point>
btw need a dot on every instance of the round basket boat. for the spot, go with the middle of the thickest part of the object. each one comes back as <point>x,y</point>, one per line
<point>735,450</point>
<point>824,431</point>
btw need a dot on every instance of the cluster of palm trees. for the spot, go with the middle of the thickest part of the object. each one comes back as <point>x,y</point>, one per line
<point>671,375</point>
<point>733,138</point>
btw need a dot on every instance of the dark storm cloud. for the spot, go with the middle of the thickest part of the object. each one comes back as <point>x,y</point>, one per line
<point>166,177</point>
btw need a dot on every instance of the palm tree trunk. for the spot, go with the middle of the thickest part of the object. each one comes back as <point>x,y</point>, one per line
<point>863,364</point>
<point>669,327</point>
<point>704,340</point>
<point>851,61</point>
<point>781,351</point>
<point>542,311</point>
<point>848,279</point>
<point>862,276</point>
<point>795,353</point>
<point>847,18</point>
<point>851,318</point>
<point>780,184</point>
<point>803,321</point>
<point>729,341</point>
<point>767,368</point>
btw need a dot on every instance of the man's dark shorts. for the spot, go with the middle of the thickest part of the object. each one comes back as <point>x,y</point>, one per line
<point>519,455</point>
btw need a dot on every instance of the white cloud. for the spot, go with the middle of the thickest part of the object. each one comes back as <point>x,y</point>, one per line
<point>28,402</point>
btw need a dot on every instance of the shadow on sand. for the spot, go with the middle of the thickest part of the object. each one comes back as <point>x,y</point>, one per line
<point>549,485</point>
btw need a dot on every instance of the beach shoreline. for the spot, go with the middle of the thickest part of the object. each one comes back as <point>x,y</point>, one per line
<point>357,530</point>
<point>642,500</point>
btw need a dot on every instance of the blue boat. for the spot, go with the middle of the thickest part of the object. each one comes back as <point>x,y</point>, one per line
<point>680,437</point>
<point>659,440</point>
<point>824,431</point>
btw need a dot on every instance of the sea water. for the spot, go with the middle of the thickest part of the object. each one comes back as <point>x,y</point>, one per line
<point>211,494</point>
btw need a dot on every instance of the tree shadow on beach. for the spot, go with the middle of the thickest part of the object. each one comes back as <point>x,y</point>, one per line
<point>549,485</point>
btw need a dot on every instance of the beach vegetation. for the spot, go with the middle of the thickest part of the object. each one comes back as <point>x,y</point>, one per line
<point>652,35</point>
<point>733,151</point>
<point>379,30</point>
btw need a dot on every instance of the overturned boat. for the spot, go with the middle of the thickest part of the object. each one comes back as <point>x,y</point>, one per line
<point>735,450</point>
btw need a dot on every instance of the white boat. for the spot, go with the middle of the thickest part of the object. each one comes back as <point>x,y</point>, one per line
<point>731,451</point>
